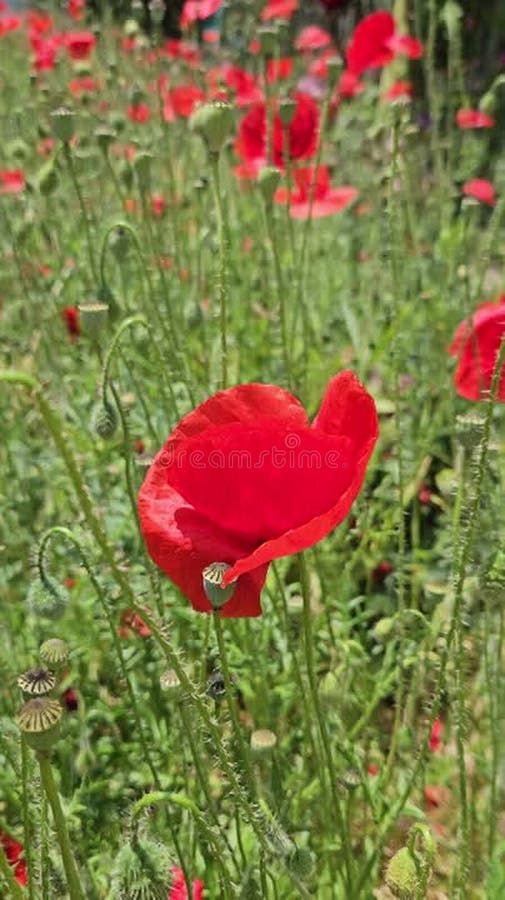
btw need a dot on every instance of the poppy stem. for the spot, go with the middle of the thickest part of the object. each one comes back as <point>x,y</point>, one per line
<point>84,214</point>
<point>49,786</point>
<point>333,779</point>
<point>222,272</point>
<point>27,823</point>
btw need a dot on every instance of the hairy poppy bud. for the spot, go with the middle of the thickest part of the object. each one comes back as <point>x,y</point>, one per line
<point>170,683</point>
<point>301,862</point>
<point>46,599</point>
<point>212,580</point>
<point>63,124</point>
<point>268,182</point>
<point>37,682</point>
<point>329,689</point>
<point>54,653</point>
<point>141,869</point>
<point>142,167</point>
<point>402,875</point>
<point>104,420</point>
<point>39,722</point>
<point>213,122</point>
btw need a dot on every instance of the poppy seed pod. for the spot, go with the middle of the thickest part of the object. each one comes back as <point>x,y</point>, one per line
<point>268,37</point>
<point>63,124</point>
<point>268,182</point>
<point>212,584</point>
<point>213,122</point>
<point>263,742</point>
<point>37,682</point>
<point>402,876</point>
<point>39,722</point>
<point>142,168</point>
<point>93,318</point>
<point>104,138</point>
<point>170,683</point>
<point>54,653</point>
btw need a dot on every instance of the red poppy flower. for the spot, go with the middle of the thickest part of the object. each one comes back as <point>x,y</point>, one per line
<point>13,851</point>
<point>298,140</point>
<point>12,181</point>
<point>38,22</point>
<point>279,69</point>
<point>76,8</point>
<point>326,200</point>
<point>45,52</point>
<point>350,85</point>
<point>79,44</point>
<point>332,5</point>
<point>139,112</point>
<point>312,38</point>
<point>244,479</point>
<point>131,622</point>
<point>178,890</point>
<point>198,9</point>
<point>84,85</point>
<point>279,9</point>
<point>400,90</point>
<point>375,42</point>
<point>319,67</point>
<point>158,205</point>
<point>473,118</point>
<point>244,84</point>
<point>182,101</point>
<point>381,572</point>
<point>70,315</point>
<point>480,189</point>
<point>476,345</point>
<point>70,699</point>
<point>9,23</point>
<point>436,736</point>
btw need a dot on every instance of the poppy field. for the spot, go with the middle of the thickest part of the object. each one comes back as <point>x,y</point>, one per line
<point>252,480</point>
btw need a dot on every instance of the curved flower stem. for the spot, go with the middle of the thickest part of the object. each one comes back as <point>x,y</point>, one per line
<point>222,271</point>
<point>15,890</point>
<point>311,672</point>
<point>45,865</point>
<point>49,786</point>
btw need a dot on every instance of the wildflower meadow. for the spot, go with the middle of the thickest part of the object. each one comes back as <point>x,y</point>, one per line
<point>252,471</point>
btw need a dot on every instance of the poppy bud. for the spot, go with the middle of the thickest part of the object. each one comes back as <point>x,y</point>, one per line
<point>170,683</point>
<point>384,629</point>
<point>63,124</point>
<point>269,39</point>
<point>213,122</point>
<point>104,420</point>
<point>402,876</point>
<point>39,722</point>
<point>287,109</point>
<point>54,653</point>
<point>263,742</point>
<point>47,178</point>
<point>301,862</point>
<point>141,869</point>
<point>268,182</point>
<point>330,690</point>
<point>46,599</point>
<point>212,580</point>
<point>350,779</point>
<point>36,682</point>
<point>142,168</point>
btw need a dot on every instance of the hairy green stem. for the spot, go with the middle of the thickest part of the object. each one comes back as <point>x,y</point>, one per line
<point>48,783</point>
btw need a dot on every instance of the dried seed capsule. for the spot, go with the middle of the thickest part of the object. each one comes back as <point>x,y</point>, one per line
<point>37,682</point>
<point>39,721</point>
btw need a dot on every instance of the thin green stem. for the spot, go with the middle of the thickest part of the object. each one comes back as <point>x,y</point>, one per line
<point>222,270</point>
<point>48,783</point>
<point>67,153</point>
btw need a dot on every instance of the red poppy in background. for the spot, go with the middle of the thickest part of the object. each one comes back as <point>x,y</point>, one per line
<point>435,741</point>
<point>400,90</point>
<point>70,700</point>
<point>375,42</point>
<point>9,23</point>
<point>194,10</point>
<point>313,38</point>
<point>70,316</point>
<point>139,112</point>
<point>13,851</point>
<point>279,69</point>
<point>76,9</point>
<point>314,184</point>
<point>39,23</point>
<point>178,890</point>
<point>473,118</point>
<point>181,101</point>
<point>476,345</point>
<point>12,181</point>
<point>244,84</point>
<point>279,9</point>
<point>480,189</point>
<point>298,140</point>
<point>84,85</point>
<point>131,622</point>
<point>245,479</point>
<point>350,85</point>
<point>80,44</point>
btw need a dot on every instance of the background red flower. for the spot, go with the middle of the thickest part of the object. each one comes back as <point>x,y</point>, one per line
<point>476,345</point>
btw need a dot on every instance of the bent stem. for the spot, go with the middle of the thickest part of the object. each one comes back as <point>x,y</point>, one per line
<point>49,786</point>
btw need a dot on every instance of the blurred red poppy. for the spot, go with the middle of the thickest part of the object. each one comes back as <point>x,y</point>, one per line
<point>13,851</point>
<point>400,90</point>
<point>313,195</point>
<point>76,9</point>
<point>298,140</point>
<point>279,69</point>
<point>279,9</point>
<point>178,890</point>
<point>194,10</point>
<point>375,42</point>
<point>435,741</point>
<point>313,38</point>
<point>70,315</point>
<point>131,622</point>
<point>473,118</point>
<point>79,44</point>
<point>12,181</point>
<point>139,112</point>
<point>480,189</point>
<point>476,345</point>
<point>244,479</point>
<point>181,101</point>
